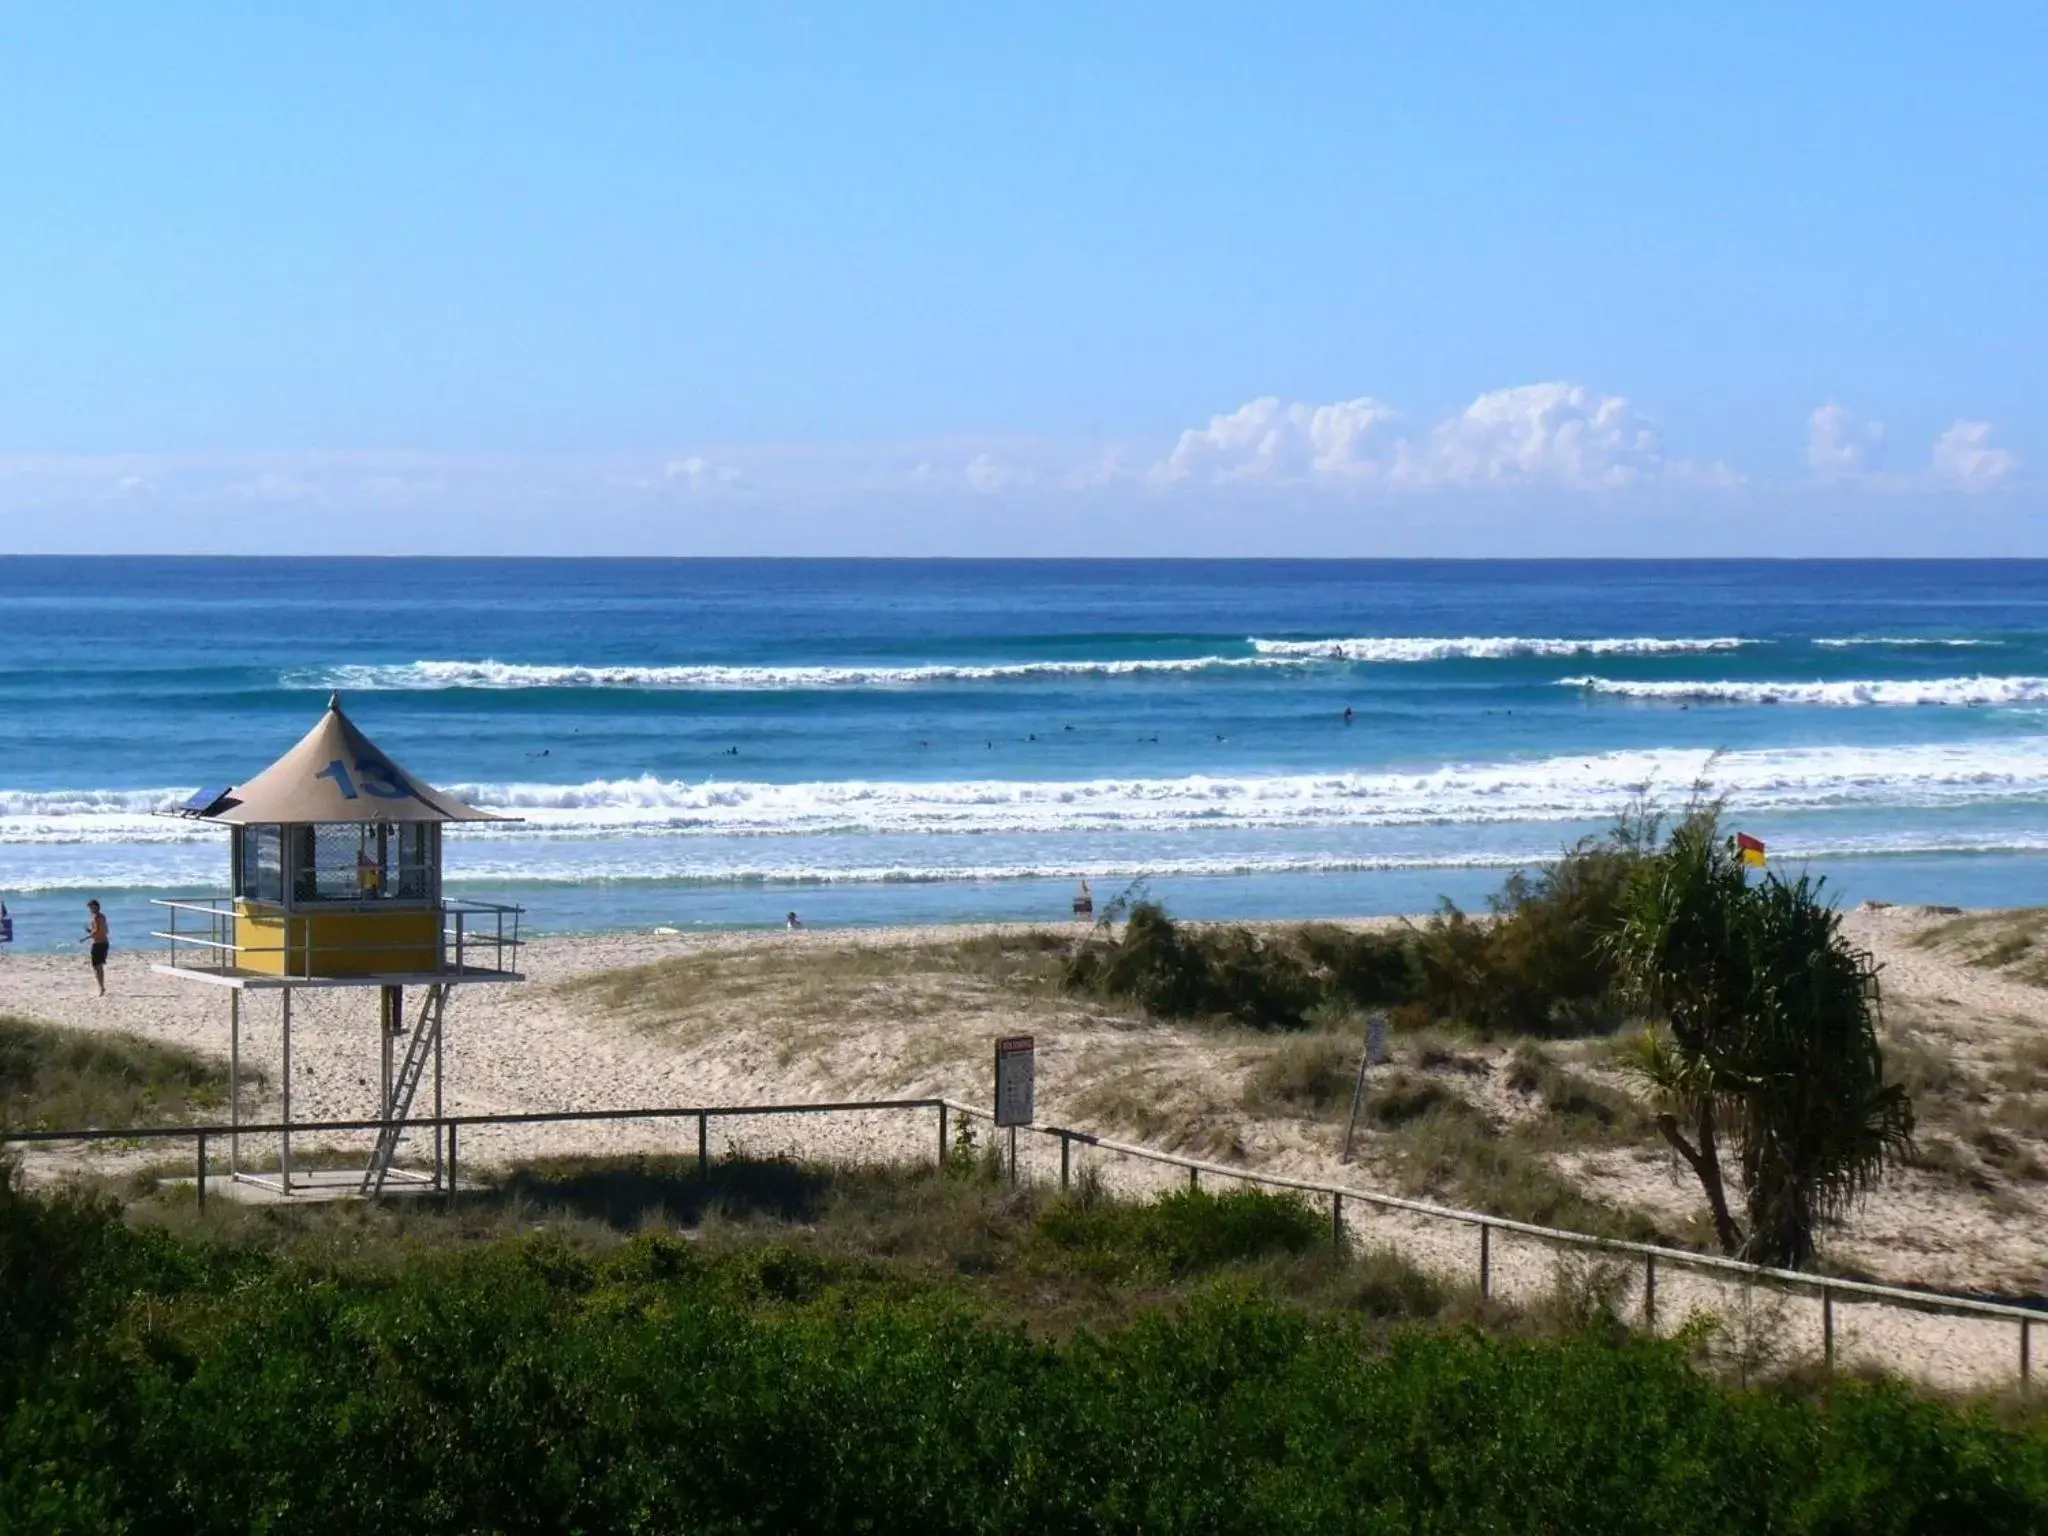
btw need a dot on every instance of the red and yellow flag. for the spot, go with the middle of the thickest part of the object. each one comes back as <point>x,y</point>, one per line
<point>1750,850</point>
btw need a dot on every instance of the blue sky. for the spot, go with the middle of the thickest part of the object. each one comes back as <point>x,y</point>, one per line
<point>1024,279</point>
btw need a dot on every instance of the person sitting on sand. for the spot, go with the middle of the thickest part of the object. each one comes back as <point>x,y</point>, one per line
<point>795,923</point>
<point>96,934</point>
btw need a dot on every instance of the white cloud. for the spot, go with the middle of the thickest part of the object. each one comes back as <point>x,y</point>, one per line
<point>1839,446</point>
<point>1106,467</point>
<point>699,474</point>
<point>1845,450</point>
<point>1556,434</point>
<point>1545,434</point>
<point>988,474</point>
<point>1963,456</point>
<point>1281,441</point>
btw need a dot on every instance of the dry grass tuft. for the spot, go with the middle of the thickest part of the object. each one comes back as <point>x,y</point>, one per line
<point>798,995</point>
<point>1575,1110</point>
<point>2014,943</point>
<point>2029,1065</point>
<point>1938,1084</point>
<point>1159,1105</point>
<point>1459,1155</point>
<point>2026,1113</point>
<point>53,1078</point>
<point>1312,1076</point>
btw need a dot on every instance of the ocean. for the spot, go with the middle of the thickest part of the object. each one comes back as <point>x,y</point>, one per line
<point>711,743</point>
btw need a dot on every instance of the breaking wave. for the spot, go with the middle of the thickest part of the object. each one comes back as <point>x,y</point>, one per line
<point>1542,790</point>
<point>1846,642</point>
<point>437,675</point>
<point>1266,654</point>
<point>492,862</point>
<point>1413,648</point>
<point>1934,692</point>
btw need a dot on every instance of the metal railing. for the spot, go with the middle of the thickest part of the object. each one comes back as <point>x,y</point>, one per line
<point>1825,1288</point>
<point>475,937</point>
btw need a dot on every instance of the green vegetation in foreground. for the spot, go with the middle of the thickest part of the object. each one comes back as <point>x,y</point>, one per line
<point>52,1078</point>
<point>248,1379</point>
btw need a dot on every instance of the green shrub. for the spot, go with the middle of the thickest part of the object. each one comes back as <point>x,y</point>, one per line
<point>1176,1236</point>
<point>1540,964</point>
<point>1537,964</point>
<point>1270,980</point>
<point>522,1386</point>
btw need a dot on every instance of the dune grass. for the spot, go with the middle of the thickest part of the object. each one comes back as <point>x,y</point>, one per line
<point>52,1078</point>
<point>2013,943</point>
<point>813,981</point>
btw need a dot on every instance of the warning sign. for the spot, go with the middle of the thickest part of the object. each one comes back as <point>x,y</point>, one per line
<point>1016,1068</point>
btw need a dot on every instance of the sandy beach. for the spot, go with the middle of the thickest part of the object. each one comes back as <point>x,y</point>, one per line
<point>634,1020</point>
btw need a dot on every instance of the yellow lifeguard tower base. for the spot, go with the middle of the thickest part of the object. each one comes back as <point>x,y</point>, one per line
<point>336,882</point>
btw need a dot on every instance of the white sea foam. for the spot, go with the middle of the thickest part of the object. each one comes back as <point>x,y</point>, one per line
<point>436,675</point>
<point>490,861</point>
<point>491,674</point>
<point>1412,648</point>
<point>1847,642</point>
<point>1476,794</point>
<point>1966,692</point>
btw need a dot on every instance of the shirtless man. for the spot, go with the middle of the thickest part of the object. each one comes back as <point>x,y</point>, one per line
<point>96,934</point>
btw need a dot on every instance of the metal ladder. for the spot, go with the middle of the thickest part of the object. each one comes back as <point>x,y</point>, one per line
<point>419,1050</point>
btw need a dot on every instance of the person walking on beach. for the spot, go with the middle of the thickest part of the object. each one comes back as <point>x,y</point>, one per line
<point>96,934</point>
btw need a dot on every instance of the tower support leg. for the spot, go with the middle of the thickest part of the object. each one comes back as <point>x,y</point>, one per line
<point>389,1022</point>
<point>439,1173</point>
<point>235,1081</point>
<point>284,1161</point>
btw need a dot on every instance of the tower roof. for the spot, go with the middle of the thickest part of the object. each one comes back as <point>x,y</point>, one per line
<point>337,774</point>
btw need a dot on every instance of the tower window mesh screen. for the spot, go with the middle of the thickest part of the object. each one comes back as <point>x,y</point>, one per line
<point>370,862</point>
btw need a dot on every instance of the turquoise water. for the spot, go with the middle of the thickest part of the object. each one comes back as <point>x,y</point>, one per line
<point>718,742</point>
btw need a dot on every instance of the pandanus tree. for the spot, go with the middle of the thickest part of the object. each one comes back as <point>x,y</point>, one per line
<point>1770,1054</point>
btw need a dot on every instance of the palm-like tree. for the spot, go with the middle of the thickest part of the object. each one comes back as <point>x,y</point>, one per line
<point>1772,1050</point>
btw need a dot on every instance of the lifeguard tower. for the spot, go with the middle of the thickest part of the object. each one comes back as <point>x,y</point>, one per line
<point>336,883</point>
